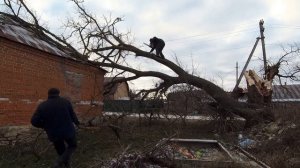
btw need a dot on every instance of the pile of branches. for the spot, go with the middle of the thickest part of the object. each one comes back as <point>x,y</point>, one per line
<point>153,156</point>
<point>139,161</point>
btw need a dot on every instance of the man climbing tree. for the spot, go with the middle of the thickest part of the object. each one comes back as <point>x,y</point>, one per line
<point>158,45</point>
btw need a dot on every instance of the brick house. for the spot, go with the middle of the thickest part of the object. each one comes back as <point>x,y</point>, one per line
<point>30,66</point>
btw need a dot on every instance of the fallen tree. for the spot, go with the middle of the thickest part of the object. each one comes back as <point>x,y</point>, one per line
<point>101,44</point>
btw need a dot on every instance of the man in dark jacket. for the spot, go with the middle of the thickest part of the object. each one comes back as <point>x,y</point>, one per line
<point>158,45</point>
<point>56,117</point>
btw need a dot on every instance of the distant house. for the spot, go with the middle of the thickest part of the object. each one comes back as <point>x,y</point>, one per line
<point>286,93</point>
<point>280,94</point>
<point>29,66</point>
<point>117,91</point>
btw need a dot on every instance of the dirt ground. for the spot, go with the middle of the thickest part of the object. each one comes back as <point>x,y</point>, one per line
<point>100,143</point>
<point>97,144</point>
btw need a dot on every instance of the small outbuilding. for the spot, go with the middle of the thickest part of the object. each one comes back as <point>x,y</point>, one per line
<point>116,91</point>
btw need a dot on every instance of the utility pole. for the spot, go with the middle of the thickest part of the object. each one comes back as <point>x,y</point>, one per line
<point>262,37</point>
<point>246,65</point>
<point>236,71</point>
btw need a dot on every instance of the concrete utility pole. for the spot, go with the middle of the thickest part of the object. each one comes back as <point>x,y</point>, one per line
<point>262,37</point>
<point>246,65</point>
<point>237,71</point>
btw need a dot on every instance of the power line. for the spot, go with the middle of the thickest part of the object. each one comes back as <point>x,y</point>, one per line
<point>233,48</point>
<point>284,26</point>
<point>217,36</point>
<point>214,35</point>
<point>221,50</point>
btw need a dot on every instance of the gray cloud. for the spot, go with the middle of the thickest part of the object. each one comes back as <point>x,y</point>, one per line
<point>213,34</point>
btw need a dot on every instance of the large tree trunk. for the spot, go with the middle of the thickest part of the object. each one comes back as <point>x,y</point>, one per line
<point>253,114</point>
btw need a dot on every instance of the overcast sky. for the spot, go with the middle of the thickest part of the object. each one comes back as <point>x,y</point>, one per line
<point>207,36</point>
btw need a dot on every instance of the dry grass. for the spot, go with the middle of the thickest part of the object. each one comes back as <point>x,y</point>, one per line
<point>279,151</point>
<point>97,144</point>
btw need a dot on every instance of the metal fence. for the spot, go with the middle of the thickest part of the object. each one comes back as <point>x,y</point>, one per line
<point>133,106</point>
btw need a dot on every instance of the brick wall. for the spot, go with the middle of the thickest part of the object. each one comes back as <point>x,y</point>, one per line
<point>26,74</point>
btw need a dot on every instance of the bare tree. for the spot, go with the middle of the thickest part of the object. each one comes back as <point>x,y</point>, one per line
<point>101,44</point>
<point>287,66</point>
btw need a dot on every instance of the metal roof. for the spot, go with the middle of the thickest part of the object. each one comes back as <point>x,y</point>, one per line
<point>12,30</point>
<point>286,93</point>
